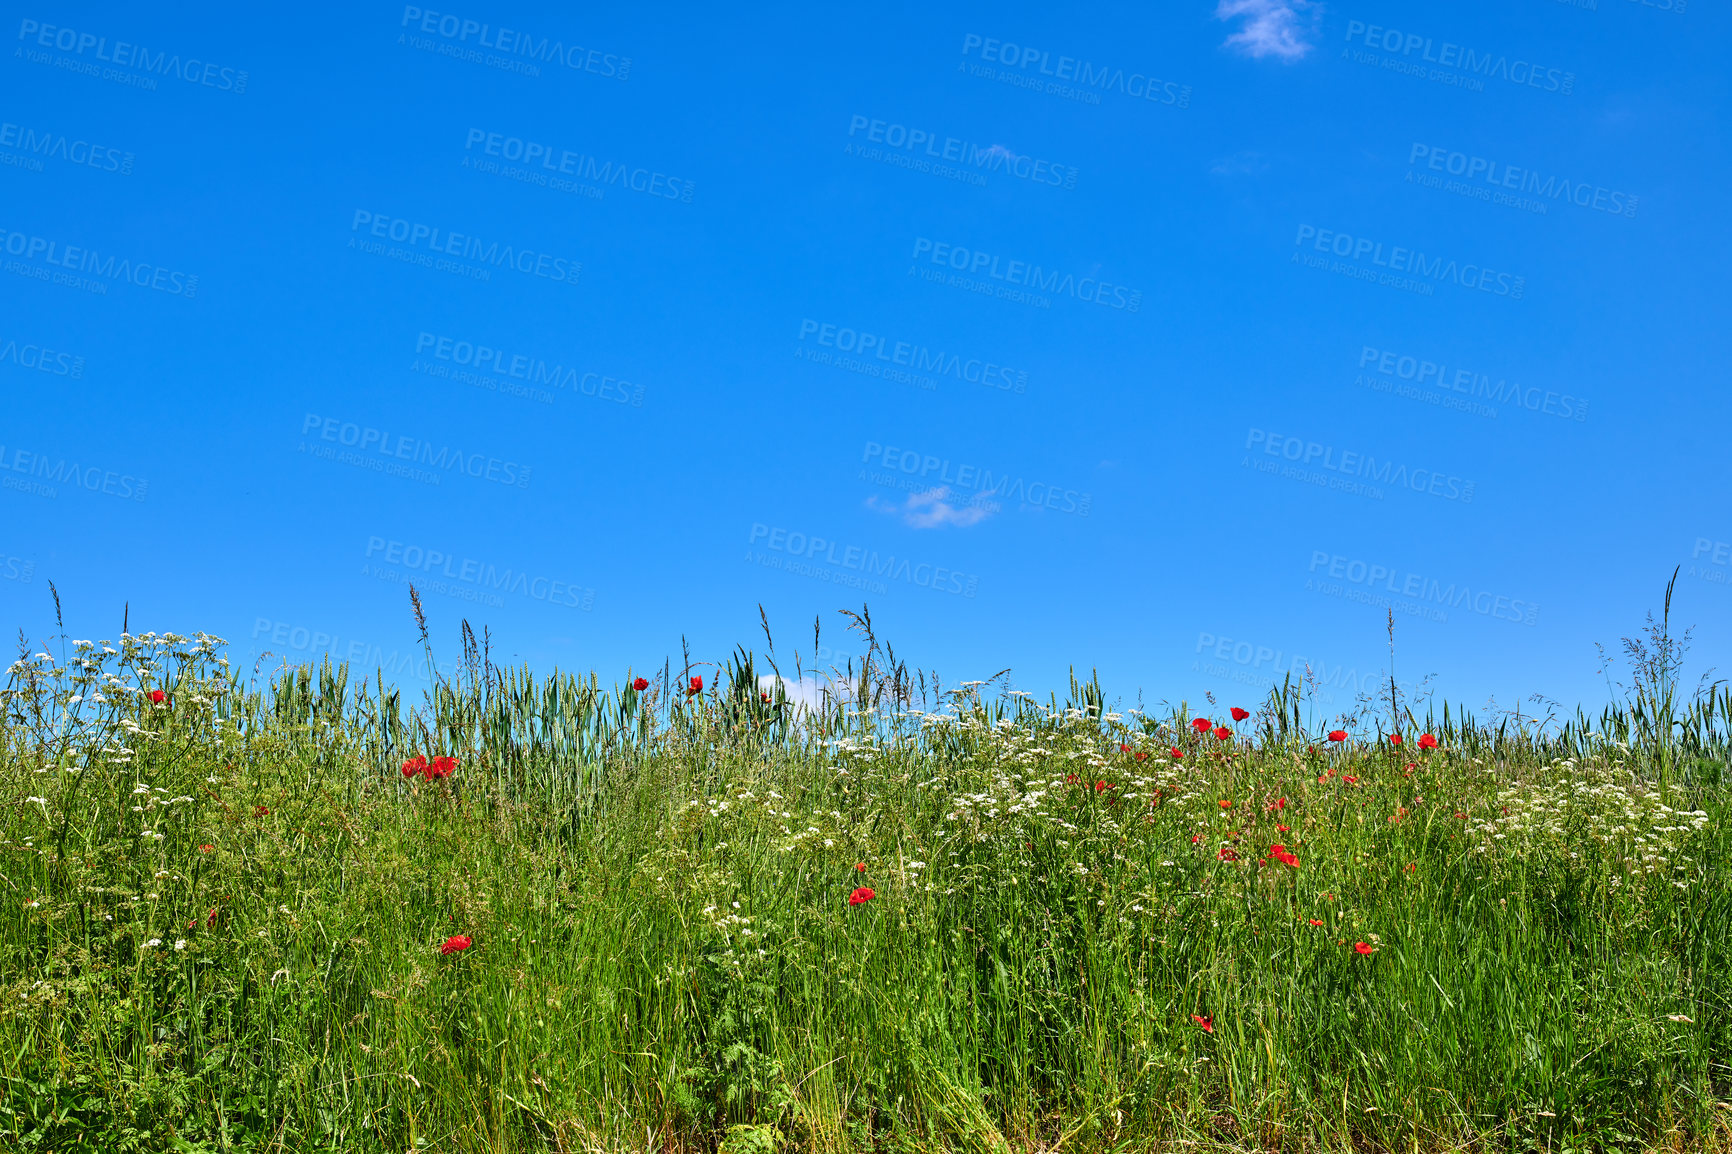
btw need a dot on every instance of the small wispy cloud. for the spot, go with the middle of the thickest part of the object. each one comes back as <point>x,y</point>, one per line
<point>1276,28</point>
<point>932,510</point>
<point>1242,163</point>
<point>808,693</point>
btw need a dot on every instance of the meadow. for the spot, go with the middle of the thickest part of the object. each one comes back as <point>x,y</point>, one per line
<point>633,912</point>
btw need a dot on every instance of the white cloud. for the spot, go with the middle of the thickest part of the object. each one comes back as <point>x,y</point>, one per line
<point>1242,163</point>
<point>809,693</point>
<point>1272,27</point>
<point>930,510</point>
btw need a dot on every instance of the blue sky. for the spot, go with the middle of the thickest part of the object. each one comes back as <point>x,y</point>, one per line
<point>1180,344</point>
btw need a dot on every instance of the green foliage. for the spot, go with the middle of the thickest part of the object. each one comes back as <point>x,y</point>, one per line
<point>224,913</point>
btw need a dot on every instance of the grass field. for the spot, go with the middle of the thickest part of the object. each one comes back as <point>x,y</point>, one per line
<point>908,920</point>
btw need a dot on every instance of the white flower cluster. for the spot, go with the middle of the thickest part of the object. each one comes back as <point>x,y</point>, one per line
<point>1592,807</point>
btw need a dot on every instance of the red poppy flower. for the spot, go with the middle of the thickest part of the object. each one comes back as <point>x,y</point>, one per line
<point>1225,804</point>
<point>861,896</point>
<point>1349,779</point>
<point>1142,755</point>
<point>206,848</point>
<point>860,866</point>
<point>261,811</point>
<point>1395,739</point>
<point>456,943</point>
<point>1462,816</point>
<point>1282,828</point>
<point>1222,733</point>
<point>1316,921</point>
<point>158,696</point>
<point>1195,838</point>
<point>1240,714</point>
<point>640,684</point>
<point>1362,948</point>
<point>1281,854</point>
<point>1100,785</point>
<point>764,697</point>
<point>1228,853</point>
<point>1123,748</point>
<point>1337,735</point>
<point>1426,741</point>
<point>1070,779</point>
<point>1200,724</point>
<point>697,687</point>
<point>1178,754</point>
<point>414,766</point>
<point>440,767</point>
<point>1207,1023</point>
